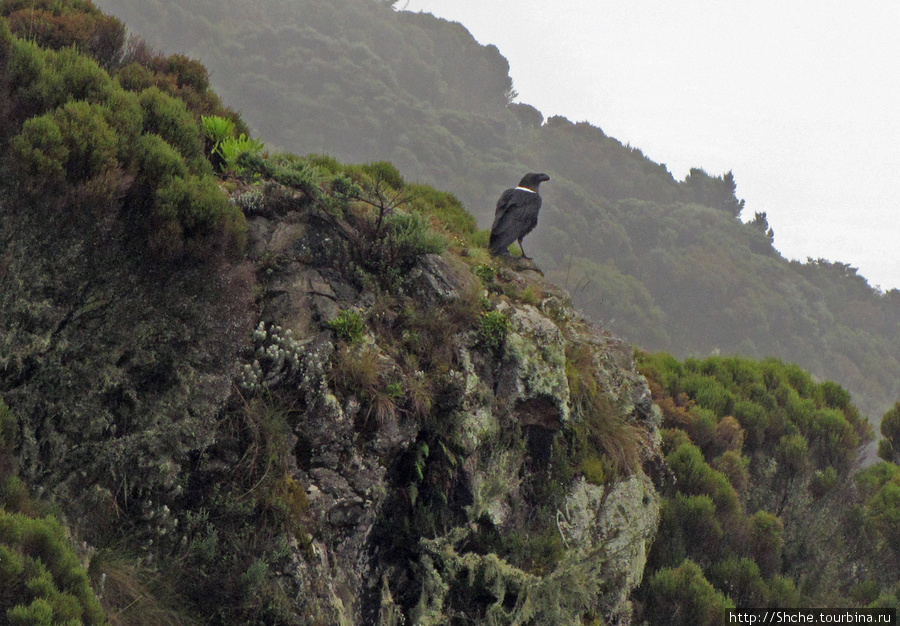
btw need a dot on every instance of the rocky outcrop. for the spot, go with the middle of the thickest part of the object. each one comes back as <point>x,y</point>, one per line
<point>425,461</point>
<point>498,413</point>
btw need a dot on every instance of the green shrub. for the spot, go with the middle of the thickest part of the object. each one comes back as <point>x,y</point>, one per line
<point>288,170</point>
<point>381,173</point>
<point>741,581</point>
<point>766,535</point>
<point>159,162</point>
<point>792,455</point>
<point>822,482</point>
<point>61,25</point>
<point>683,596</point>
<point>492,329</point>
<point>43,80</point>
<point>390,244</point>
<point>349,325</point>
<point>782,593</point>
<point>169,118</point>
<point>709,393</point>
<point>734,466</point>
<point>691,529</point>
<point>409,236</point>
<point>883,509</point>
<point>752,418</point>
<point>136,77</point>
<point>695,476</point>
<point>231,149</point>
<point>41,154</point>
<point>41,580</point>
<point>486,273</point>
<point>193,217</point>
<point>889,447</point>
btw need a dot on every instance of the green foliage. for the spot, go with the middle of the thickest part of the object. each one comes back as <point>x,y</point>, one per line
<point>409,237</point>
<point>294,172</point>
<point>696,477</point>
<point>58,25</point>
<point>691,530</point>
<point>217,129</point>
<point>766,535</point>
<point>445,208</point>
<point>486,273</point>
<point>82,138</point>
<point>763,436</point>
<point>683,596</point>
<point>492,329</point>
<point>193,216</point>
<point>604,445</point>
<point>349,325</point>
<point>883,514</point>
<point>159,162</point>
<point>889,447</point>
<point>392,243</point>
<point>169,118</point>
<point>382,173</point>
<point>231,149</point>
<point>41,579</point>
<point>742,578</point>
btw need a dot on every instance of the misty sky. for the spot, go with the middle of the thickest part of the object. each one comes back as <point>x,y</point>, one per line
<point>800,98</point>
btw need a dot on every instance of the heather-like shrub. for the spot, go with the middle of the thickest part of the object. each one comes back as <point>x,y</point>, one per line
<point>683,596</point>
<point>691,529</point>
<point>41,579</point>
<point>169,118</point>
<point>193,216</point>
<point>766,534</point>
<point>159,162</point>
<point>60,24</point>
<point>695,476</point>
<point>741,578</point>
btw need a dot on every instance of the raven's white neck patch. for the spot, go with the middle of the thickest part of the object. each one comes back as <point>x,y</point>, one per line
<point>526,189</point>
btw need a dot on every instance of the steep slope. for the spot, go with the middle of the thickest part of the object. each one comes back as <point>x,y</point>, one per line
<point>665,263</point>
<point>296,392</point>
<point>262,388</point>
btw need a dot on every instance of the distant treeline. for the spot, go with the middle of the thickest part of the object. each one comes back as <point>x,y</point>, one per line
<point>668,264</point>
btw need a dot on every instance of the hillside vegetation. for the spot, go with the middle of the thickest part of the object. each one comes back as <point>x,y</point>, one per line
<point>668,264</point>
<point>241,386</point>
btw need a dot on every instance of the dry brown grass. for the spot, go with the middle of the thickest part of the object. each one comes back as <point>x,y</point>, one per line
<point>607,444</point>
<point>134,595</point>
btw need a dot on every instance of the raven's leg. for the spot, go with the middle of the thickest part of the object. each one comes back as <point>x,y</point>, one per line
<point>524,256</point>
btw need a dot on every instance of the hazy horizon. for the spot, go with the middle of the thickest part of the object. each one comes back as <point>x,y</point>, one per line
<point>794,99</point>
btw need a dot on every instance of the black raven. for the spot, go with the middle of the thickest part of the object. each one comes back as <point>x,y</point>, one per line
<point>517,214</point>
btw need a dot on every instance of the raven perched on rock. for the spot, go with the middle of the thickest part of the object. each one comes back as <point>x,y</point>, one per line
<point>517,214</point>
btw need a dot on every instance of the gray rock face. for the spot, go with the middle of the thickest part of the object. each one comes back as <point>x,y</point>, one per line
<point>425,460</point>
<point>489,400</point>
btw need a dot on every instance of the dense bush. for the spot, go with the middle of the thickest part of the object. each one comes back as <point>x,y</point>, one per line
<point>889,447</point>
<point>41,579</point>
<point>84,146</point>
<point>57,25</point>
<point>753,445</point>
<point>682,595</point>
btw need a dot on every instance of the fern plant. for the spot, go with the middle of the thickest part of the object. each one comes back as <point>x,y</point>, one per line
<point>232,148</point>
<point>217,129</point>
<point>227,148</point>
